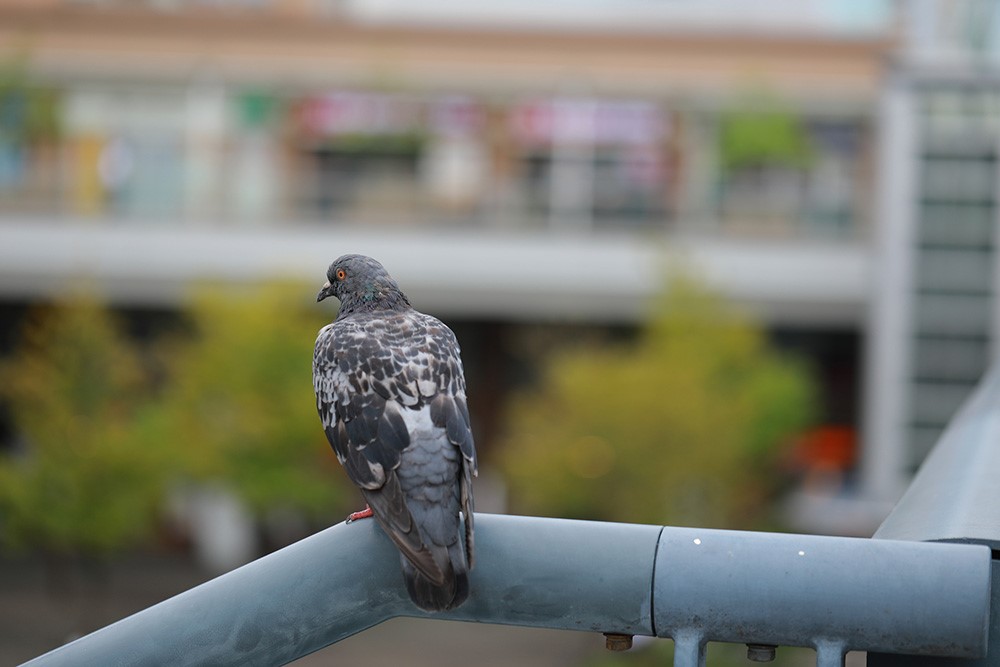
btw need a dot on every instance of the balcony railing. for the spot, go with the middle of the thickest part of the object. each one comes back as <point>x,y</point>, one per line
<point>923,588</point>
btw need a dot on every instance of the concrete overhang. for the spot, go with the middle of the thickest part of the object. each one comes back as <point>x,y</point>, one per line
<point>463,273</point>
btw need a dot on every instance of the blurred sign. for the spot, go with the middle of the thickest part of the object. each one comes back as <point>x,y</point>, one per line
<point>588,121</point>
<point>348,112</point>
<point>456,116</point>
<point>370,113</point>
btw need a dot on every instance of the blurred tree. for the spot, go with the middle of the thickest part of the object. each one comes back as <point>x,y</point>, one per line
<point>238,399</point>
<point>29,112</point>
<point>79,485</point>
<point>759,130</point>
<point>101,444</point>
<point>682,427</point>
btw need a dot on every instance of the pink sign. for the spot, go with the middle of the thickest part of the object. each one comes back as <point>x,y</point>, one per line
<point>588,121</point>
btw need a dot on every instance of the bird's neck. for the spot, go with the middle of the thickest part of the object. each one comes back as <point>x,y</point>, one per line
<point>375,297</point>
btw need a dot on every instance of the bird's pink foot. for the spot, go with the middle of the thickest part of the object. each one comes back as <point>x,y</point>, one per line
<point>366,513</point>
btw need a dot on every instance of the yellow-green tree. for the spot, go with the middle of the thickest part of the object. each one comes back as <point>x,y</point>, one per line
<point>680,427</point>
<point>759,130</point>
<point>238,399</point>
<point>77,482</point>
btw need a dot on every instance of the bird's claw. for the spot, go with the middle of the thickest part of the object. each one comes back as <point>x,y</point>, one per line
<point>366,513</point>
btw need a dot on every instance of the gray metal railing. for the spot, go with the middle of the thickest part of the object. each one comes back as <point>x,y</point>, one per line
<point>955,497</point>
<point>689,584</point>
<point>923,589</point>
<point>956,494</point>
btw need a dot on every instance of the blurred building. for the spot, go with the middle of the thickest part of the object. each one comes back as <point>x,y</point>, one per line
<point>521,163</point>
<point>191,132</point>
<point>935,321</point>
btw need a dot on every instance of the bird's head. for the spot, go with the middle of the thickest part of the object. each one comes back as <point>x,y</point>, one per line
<point>357,280</point>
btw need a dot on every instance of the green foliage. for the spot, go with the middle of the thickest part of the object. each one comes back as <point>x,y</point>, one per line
<point>29,112</point>
<point>81,483</point>
<point>761,132</point>
<point>681,427</point>
<point>238,399</point>
<point>102,446</point>
<point>378,144</point>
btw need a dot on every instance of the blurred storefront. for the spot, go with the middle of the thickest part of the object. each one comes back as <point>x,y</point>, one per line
<point>208,154</point>
<point>493,163</point>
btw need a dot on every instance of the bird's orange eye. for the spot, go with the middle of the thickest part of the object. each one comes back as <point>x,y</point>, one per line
<point>341,274</point>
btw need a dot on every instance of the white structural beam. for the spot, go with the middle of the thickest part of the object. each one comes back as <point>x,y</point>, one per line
<point>456,273</point>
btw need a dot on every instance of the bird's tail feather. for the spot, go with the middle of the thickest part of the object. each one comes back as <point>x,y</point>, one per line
<point>430,597</point>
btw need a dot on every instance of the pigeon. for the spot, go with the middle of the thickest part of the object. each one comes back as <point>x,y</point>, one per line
<point>390,390</point>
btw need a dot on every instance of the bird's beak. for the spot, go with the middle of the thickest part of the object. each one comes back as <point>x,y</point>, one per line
<point>325,292</point>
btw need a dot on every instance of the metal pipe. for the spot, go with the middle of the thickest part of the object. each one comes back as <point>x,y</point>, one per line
<point>813,590</point>
<point>954,496</point>
<point>689,584</point>
<point>550,573</point>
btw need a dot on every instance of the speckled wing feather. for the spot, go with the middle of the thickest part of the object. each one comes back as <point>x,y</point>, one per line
<point>391,392</point>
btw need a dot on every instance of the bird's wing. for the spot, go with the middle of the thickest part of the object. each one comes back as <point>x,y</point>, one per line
<point>352,414</point>
<point>449,411</point>
<point>366,373</point>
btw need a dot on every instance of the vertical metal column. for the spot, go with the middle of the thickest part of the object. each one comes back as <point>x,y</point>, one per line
<point>890,312</point>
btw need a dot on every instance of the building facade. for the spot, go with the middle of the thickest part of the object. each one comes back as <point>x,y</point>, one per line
<point>150,145</point>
